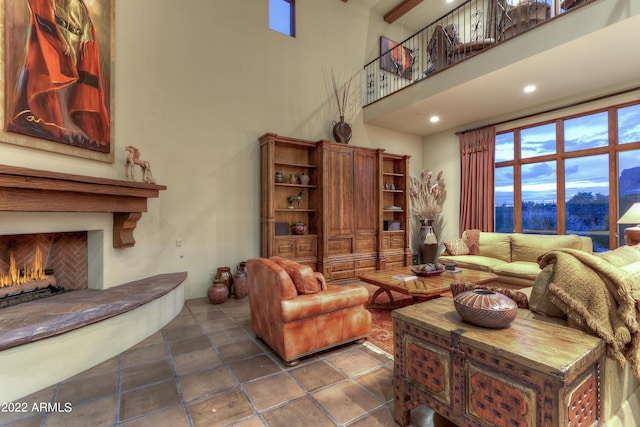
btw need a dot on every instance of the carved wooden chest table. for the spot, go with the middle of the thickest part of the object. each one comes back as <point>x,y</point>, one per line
<point>533,373</point>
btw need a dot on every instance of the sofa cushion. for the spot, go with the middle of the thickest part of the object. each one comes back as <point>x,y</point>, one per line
<point>303,276</point>
<point>528,247</point>
<point>473,262</point>
<point>524,269</point>
<point>456,247</point>
<point>540,299</point>
<point>621,256</point>
<point>495,245</point>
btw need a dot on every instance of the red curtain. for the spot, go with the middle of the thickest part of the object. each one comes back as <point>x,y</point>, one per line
<point>477,162</point>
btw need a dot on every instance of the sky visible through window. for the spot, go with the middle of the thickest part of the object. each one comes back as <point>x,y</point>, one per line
<point>280,16</point>
<point>585,174</point>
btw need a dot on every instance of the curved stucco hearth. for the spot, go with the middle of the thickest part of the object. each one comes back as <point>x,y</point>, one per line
<point>40,363</point>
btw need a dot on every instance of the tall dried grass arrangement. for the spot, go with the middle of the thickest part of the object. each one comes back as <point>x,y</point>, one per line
<point>341,99</point>
<point>427,199</point>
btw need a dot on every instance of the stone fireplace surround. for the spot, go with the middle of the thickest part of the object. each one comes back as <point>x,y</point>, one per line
<point>42,352</point>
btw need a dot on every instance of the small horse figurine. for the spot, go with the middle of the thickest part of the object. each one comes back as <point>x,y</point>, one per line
<point>292,199</point>
<point>133,158</point>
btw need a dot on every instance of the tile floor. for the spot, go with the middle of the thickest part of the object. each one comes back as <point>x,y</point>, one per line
<point>206,368</point>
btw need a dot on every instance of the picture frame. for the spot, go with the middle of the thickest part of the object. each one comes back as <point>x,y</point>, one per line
<point>395,58</point>
<point>88,98</point>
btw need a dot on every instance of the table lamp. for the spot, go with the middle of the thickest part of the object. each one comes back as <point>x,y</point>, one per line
<point>632,216</point>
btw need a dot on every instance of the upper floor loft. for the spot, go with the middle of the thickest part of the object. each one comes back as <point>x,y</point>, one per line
<point>469,67</point>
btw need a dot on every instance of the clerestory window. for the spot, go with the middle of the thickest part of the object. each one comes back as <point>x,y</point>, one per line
<point>282,16</point>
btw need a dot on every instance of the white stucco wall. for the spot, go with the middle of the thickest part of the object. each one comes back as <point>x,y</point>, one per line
<point>196,83</point>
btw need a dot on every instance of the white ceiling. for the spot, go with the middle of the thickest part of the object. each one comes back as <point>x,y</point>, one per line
<point>584,56</point>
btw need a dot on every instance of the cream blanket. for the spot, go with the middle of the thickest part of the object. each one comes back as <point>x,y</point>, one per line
<point>599,298</point>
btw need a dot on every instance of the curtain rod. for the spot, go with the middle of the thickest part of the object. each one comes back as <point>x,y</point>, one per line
<point>551,110</point>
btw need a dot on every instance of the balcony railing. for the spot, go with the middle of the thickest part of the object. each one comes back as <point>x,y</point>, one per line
<point>467,30</point>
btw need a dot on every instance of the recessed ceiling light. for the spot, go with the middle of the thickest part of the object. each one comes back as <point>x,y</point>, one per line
<point>529,88</point>
<point>434,119</point>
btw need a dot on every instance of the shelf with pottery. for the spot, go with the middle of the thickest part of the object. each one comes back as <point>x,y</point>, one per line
<point>394,199</point>
<point>289,198</point>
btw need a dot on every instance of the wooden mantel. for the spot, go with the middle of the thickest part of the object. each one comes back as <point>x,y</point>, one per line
<point>31,190</point>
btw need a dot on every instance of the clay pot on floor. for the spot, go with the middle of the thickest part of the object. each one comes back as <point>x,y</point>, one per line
<point>240,283</point>
<point>218,292</point>
<point>224,273</point>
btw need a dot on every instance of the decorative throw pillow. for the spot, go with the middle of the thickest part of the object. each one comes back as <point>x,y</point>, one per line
<point>473,241</point>
<point>518,297</point>
<point>303,276</point>
<point>456,247</point>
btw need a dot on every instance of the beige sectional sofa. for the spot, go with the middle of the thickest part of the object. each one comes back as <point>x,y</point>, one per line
<point>512,256</point>
<point>597,293</point>
<point>581,291</point>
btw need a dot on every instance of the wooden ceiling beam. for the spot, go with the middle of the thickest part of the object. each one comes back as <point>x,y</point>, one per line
<point>400,9</point>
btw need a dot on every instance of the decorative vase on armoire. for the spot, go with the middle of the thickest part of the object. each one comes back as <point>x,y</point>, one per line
<point>342,131</point>
<point>427,243</point>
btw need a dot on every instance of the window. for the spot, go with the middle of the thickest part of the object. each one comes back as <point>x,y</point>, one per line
<point>282,16</point>
<point>574,175</point>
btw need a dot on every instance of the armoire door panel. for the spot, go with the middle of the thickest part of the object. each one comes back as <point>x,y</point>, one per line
<point>340,191</point>
<point>365,200</point>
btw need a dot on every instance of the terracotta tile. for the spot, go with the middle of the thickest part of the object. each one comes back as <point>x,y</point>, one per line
<point>243,321</point>
<point>176,416</point>
<point>378,382</point>
<point>148,399</point>
<point>195,302</point>
<point>25,406</point>
<point>220,409</point>
<point>251,422</point>
<point>181,333</point>
<point>380,418</point>
<point>32,421</point>
<point>110,365</point>
<point>261,391</point>
<point>230,335</point>
<point>196,361</point>
<point>180,321</point>
<point>353,362</point>
<point>143,355</point>
<point>206,382</point>
<point>210,314</point>
<point>189,344</point>
<point>235,308</point>
<point>221,325</point>
<point>346,401</point>
<point>299,412</point>
<point>202,306</point>
<point>156,338</point>
<point>142,375</point>
<point>83,388</point>
<point>375,352</point>
<point>101,412</point>
<point>239,350</point>
<point>316,375</point>
<point>256,367</point>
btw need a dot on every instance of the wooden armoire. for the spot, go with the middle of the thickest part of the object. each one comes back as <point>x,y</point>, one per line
<point>355,206</point>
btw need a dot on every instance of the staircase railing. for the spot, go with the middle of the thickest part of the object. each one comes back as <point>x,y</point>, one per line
<point>467,30</point>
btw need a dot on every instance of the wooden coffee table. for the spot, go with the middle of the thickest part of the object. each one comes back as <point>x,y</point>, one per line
<point>423,288</point>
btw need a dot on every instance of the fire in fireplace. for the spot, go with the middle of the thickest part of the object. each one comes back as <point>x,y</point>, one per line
<point>27,263</point>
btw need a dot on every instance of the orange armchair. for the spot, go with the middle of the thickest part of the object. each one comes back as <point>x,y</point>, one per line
<point>296,313</point>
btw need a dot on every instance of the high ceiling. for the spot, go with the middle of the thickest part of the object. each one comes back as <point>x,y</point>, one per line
<point>583,57</point>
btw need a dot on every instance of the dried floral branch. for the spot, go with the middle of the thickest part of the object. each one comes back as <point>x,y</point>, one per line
<point>342,105</point>
<point>427,199</point>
